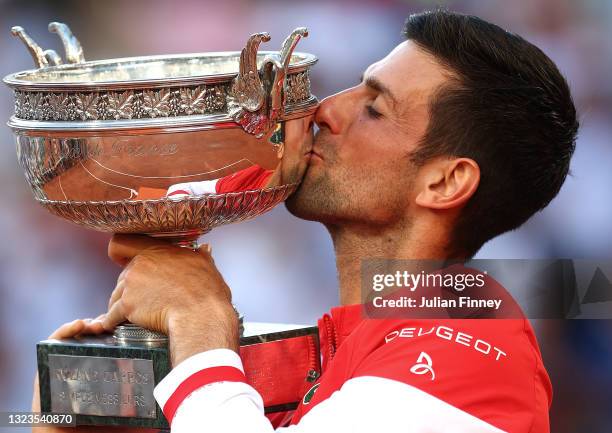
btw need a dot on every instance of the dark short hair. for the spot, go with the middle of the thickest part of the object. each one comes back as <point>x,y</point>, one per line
<point>507,107</point>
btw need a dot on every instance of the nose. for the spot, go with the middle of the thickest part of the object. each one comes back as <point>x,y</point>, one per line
<point>335,111</point>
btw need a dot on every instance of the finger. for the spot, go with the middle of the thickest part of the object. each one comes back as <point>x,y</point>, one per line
<point>93,327</point>
<point>115,316</point>
<point>68,330</point>
<point>36,395</point>
<point>122,248</point>
<point>121,276</point>
<point>116,295</point>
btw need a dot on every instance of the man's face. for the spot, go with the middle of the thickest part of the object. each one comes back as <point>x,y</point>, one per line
<point>360,169</point>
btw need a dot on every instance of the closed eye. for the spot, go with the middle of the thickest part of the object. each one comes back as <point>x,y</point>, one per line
<point>372,112</point>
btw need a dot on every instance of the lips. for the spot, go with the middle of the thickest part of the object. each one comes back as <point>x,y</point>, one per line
<point>314,153</point>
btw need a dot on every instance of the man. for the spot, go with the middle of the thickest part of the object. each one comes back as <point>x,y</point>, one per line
<point>461,133</point>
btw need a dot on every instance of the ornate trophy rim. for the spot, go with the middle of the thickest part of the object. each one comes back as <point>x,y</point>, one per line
<point>171,218</point>
<point>300,61</point>
<point>168,124</point>
<point>250,88</point>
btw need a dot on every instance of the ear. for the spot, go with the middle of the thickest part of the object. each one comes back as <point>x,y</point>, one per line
<point>448,183</point>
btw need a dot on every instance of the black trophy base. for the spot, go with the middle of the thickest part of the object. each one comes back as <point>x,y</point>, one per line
<point>102,381</point>
<point>109,381</point>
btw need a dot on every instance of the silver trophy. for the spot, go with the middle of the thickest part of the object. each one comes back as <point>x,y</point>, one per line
<point>170,147</point>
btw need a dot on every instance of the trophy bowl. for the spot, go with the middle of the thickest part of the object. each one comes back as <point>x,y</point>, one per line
<point>167,146</point>
<point>103,142</point>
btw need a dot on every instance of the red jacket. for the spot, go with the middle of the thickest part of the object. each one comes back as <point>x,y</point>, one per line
<point>391,375</point>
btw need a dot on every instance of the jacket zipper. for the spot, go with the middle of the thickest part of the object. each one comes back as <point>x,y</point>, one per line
<point>331,336</point>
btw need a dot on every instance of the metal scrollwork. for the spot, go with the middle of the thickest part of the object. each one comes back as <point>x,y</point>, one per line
<point>247,87</point>
<point>148,103</point>
<point>129,104</point>
<point>255,99</point>
<point>297,88</point>
<point>257,103</point>
<point>199,214</point>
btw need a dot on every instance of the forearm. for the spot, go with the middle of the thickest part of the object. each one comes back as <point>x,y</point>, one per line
<point>189,336</point>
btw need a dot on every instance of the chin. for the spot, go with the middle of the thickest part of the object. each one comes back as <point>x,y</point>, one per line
<point>315,199</point>
<point>297,207</point>
<point>310,204</point>
<point>304,204</point>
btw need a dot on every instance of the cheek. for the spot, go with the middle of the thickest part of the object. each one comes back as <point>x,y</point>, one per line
<point>366,176</point>
<point>373,193</point>
<point>374,143</point>
<point>375,171</point>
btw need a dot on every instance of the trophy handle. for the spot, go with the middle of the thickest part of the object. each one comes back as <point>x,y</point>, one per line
<point>257,103</point>
<point>72,47</point>
<point>248,88</point>
<point>289,45</point>
<point>38,54</point>
<point>45,58</point>
<point>275,67</point>
<point>53,58</point>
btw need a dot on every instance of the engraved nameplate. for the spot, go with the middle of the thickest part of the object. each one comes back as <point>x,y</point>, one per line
<point>91,385</point>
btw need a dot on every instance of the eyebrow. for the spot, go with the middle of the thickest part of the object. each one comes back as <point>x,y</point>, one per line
<point>376,85</point>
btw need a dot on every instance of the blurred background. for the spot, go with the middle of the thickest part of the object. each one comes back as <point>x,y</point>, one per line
<point>282,269</point>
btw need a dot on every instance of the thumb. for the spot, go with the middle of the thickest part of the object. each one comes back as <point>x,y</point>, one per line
<point>36,396</point>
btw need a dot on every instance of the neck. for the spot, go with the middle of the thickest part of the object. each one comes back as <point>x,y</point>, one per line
<point>354,244</point>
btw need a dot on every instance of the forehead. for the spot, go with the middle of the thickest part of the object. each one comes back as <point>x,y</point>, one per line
<point>409,72</point>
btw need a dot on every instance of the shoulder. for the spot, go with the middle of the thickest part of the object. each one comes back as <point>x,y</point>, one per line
<point>473,343</point>
<point>490,368</point>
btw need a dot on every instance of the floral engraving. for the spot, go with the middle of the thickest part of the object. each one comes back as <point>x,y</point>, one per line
<point>297,88</point>
<point>120,105</point>
<point>139,104</point>
<point>18,102</point>
<point>87,106</point>
<point>156,103</point>
<point>59,105</point>
<point>192,100</point>
<point>190,215</point>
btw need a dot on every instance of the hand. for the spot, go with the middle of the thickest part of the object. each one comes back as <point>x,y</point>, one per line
<point>172,290</point>
<point>69,330</point>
